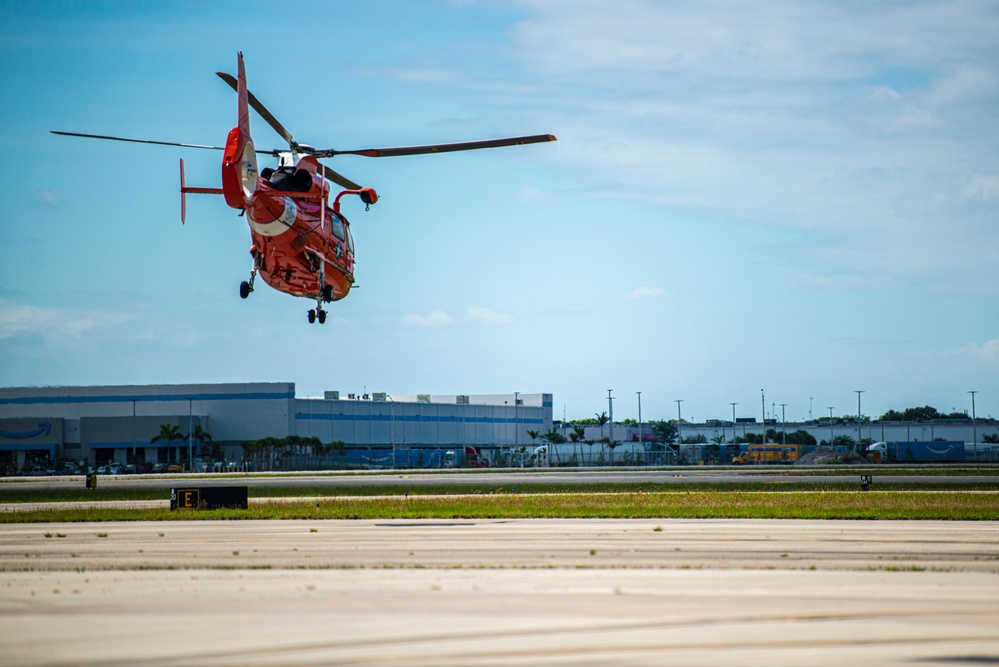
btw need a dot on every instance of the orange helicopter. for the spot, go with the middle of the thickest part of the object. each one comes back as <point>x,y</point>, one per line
<point>301,243</point>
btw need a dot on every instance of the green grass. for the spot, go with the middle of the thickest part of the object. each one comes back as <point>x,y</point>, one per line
<point>671,504</point>
<point>15,495</point>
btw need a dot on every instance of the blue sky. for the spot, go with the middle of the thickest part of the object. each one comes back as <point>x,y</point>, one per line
<point>800,197</point>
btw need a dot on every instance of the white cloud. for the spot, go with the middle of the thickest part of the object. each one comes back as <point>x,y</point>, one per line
<point>48,198</point>
<point>841,282</point>
<point>987,351</point>
<point>19,320</point>
<point>488,316</point>
<point>984,188</point>
<point>647,293</point>
<point>439,318</point>
<point>533,196</point>
<point>432,320</point>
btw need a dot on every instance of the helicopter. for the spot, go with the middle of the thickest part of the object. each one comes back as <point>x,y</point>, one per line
<point>301,242</point>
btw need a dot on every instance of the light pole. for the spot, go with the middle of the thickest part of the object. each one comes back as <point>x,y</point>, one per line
<point>392,408</point>
<point>641,445</point>
<point>830,427</point>
<point>783,424</point>
<point>190,433</point>
<point>679,420</point>
<point>133,437</point>
<point>974,426</point>
<point>733,421</point>
<point>516,420</point>
<point>763,407</point>
<point>858,392</point>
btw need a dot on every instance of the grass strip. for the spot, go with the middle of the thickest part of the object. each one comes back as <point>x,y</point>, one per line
<point>674,504</point>
<point>12,496</point>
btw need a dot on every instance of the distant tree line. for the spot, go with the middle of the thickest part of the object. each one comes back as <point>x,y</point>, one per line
<point>925,413</point>
<point>291,445</point>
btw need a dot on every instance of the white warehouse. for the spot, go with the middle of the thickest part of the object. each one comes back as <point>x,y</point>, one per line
<point>103,424</point>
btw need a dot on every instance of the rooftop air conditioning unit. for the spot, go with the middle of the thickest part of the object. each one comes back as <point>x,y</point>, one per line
<point>462,400</point>
<point>378,396</point>
<point>423,398</point>
<point>332,396</point>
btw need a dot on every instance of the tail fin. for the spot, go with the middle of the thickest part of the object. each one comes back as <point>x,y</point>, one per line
<point>239,163</point>
<point>244,109</point>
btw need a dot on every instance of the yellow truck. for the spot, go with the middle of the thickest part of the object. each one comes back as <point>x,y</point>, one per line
<point>769,453</point>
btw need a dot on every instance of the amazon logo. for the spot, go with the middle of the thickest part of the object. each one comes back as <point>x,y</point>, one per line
<point>44,428</point>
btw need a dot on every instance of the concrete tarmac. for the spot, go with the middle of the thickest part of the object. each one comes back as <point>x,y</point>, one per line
<point>500,592</point>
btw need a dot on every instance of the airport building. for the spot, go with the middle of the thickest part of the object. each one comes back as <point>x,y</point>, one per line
<point>119,424</point>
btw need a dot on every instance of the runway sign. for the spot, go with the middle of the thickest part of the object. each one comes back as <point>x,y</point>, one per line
<point>209,498</point>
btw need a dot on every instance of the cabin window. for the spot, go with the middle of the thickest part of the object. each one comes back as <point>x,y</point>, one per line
<point>337,225</point>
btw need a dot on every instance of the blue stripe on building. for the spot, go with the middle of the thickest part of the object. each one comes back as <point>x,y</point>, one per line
<point>149,398</point>
<point>422,419</point>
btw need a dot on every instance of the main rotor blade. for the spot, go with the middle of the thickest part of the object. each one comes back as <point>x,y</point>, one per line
<point>440,148</point>
<point>338,179</point>
<point>136,141</point>
<point>260,109</point>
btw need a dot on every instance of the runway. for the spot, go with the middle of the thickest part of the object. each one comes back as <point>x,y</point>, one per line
<point>500,592</point>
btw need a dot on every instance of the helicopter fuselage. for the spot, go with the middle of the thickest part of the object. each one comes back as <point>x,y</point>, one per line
<point>300,242</point>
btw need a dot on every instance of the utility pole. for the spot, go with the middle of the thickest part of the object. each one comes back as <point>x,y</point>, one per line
<point>831,427</point>
<point>610,419</point>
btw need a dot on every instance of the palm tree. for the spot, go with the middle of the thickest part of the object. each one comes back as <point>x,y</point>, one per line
<point>578,433</point>
<point>611,446</point>
<point>202,438</point>
<point>554,438</point>
<point>168,433</point>
<point>601,420</point>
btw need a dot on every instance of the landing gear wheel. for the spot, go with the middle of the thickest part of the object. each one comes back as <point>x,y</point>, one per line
<point>244,289</point>
<point>312,316</point>
<point>327,293</point>
<point>322,316</point>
